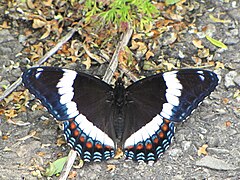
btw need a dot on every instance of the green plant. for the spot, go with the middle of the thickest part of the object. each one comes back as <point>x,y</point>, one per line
<point>136,12</point>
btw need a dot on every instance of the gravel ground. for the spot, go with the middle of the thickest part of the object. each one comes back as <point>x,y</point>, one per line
<point>216,122</point>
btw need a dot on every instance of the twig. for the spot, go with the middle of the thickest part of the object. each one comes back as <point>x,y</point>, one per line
<point>128,73</point>
<point>114,61</point>
<point>93,56</point>
<point>68,165</point>
<point>63,40</point>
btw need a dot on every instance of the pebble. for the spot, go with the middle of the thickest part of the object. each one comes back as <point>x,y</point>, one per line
<point>186,145</point>
<point>217,151</point>
<point>214,163</point>
<point>229,79</point>
<point>175,152</point>
<point>237,79</point>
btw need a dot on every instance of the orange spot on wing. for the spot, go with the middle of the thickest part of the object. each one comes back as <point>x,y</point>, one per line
<point>108,147</point>
<point>130,147</point>
<point>82,138</point>
<point>72,125</point>
<point>139,146</point>
<point>161,135</point>
<point>165,127</point>
<point>167,121</point>
<point>98,146</point>
<point>155,140</point>
<point>149,146</point>
<point>75,133</point>
<point>89,145</point>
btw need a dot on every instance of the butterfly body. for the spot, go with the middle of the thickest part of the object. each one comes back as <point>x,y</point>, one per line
<point>140,118</point>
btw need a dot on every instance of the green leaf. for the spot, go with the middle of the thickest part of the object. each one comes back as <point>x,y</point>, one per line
<point>55,167</point>
<point>216,42</point>
<point>170,2</point>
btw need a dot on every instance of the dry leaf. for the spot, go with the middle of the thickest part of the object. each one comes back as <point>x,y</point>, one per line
<point>11,113</point>
<point>197,60</point>
<point>219,65</point>
<point>225,100</point>
<point>149,54</point>
<point>72,175</point>
<point>111,167</point>
<point>228,123</point>
<point>41,154</point>
<point>169,66</point>
<point>137,36</point>
<point>37,23</point>
<point>30,4</point>
<point>60,141</point>
<point>134,45</point>
<point>197,43</point>
<point>203,53</point>
<point>47,3</point>
<point>87,62</point>
<point>5,25</point>
<point>119,154</point>
<point>46,34</point>
<point>202,150</point>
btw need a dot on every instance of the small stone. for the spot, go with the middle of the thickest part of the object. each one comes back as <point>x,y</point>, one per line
<point>229,79</point>
<point>214,163</point>
<point>217,151</point>
<point>237,80</point>
<point>186,145</point>
<point>175,152</point>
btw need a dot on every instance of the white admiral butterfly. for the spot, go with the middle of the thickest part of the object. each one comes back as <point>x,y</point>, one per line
<point>140,118</point>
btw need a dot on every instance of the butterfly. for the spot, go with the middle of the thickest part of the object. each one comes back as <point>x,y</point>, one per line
<point>99,118</point>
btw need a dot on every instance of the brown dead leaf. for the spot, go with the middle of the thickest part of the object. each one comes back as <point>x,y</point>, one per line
<point>5,137</point>
<point>11,113</point>
<point>5,25</point>
<point>219,65</point>
<point>48,3</point>
<point>197,43</point>
<point>119,154</point>
<point>202,150</point>
<point>228,123</point>
<point>111,167</point>
<point>149,54</point>
<point>225,100</point>
<point>30,4</point>
<point>37,23</point>
<point>197,60</point>
<point>87,62</point>
<point>72,175</point>
<point>41,154</point>
<point>203,53</point>
<point>169,66</point>
<point>141,46</point>
<point>60,141</point>
<point>47,32</point>
<point>137,36</point>
<point>134,45</point>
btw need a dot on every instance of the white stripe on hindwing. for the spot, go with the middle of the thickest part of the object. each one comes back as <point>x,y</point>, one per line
<point>145,132</point>
<point>92,131</point>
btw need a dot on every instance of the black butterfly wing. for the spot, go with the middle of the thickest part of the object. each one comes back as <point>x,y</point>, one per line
<point>154,103</point>
<point>80,99</point>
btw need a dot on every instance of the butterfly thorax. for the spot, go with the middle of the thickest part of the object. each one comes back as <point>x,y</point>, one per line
<point>118,104</point>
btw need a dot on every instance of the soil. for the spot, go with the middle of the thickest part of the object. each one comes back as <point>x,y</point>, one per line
<point>215,123</point>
